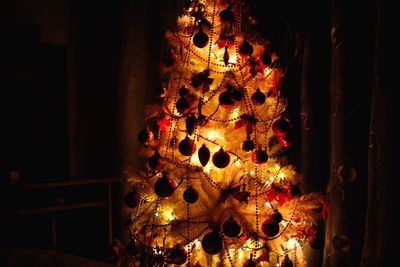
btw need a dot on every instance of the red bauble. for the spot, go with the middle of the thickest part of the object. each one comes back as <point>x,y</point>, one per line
<point>132,199</point>
<point>190,124</point>
<point>245,49</point>
<point>204,155</point>
<point>212,243</point>
<point>281,128</point>
<point>131,249</point>
<point>287,262</point>
<point>200,39</point>
<point>270,228</point>
<point>248,145</point>
<point>177,256</point>
<point>258,98</point>
<point>164,187</point>
<point>183,105</point>
<point>190,195</point>
<point>285,141</point>
<point>155,162</point>
<point>226,99</point>
<point>276,216</point>
<point>183,91</point>
<point>231,228</point>
<point>221,159</point>
<point>187,146</point>
<point>226,15</point>
<point>266,59</point>
<point>146,136</point>
<point>259,156</point>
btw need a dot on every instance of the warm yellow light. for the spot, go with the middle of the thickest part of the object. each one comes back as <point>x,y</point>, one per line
<point>268,205</point>
<point>281,175</point>
<point>291,243</point>
<point>213,134</point>
<point>235,113</point>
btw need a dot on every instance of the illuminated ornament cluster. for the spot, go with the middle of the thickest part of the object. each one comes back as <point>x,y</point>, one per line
<point>216,182</point>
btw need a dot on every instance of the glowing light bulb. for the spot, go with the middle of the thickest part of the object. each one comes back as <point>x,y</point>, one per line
<point>281,175</point>
<point>268,205</point>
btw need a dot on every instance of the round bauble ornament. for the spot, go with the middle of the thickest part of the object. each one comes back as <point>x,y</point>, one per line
<point>286,262</point>
<point>226,99</point>
<point>155,162</point>
<point>190,124</point>
<point>212,243</point>
<point>221,159</point>
<point>132,199</point>
<point>200,39</point>
<point>183,91</point>
<point>231,228</point>
<point>276,216</point>
<point>164,187</point>
<point>190,195</point>
<point>270,228</point>
<point>245,49</point>
<point>226,15</point>
<point>131,248</point>
<point>248,145</point>
<point>204,155</point>
<point>258,98</point>
<point>187,146</point>
<point>266,59</point>
<point>259,156</point>
<point>281,128</point>
<point>183,105</point>
<point>250,263</point>
<point>177,256</point>
<point>146,136</point>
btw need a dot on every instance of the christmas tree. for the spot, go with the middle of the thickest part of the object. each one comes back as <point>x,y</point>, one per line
<point>217,188</point>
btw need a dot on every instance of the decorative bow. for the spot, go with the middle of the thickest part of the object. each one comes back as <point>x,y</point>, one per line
<point>248,121</point>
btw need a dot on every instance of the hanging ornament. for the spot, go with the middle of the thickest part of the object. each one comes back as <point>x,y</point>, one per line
<point>226,56</point>
<point>221,159</point>
<point>177,256</point>
<point>155,162</point>
<point>187,146</point>
<point>226,16</point>
<point>164,187</point>
<point>245,49</point>
<point>183,105</point>
<point>183,91</point>
<point>200,39</point>
<point>204,155</point>
<point>146,136</point>
<point>132,199</point>
<point>190,195</point>
<point>281,128</point>
<point>287,262</point>
<point>259,156</point>
<point>131,249</point>
<point>285,141</point>
<point>226,99</point>
<point>270,228</point>
<point>212,243</point>
<point>248,145</point>
<point>258,98</point>
<point>250,263</point>
<point>231,228</point>
<point>266,59</point>
<point>276,216</point>
<point>190,124</point>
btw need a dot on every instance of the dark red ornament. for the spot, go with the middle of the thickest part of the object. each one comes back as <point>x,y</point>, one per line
<point>245,49</point>
<point>226,56</point>
<point>164,187</point>
<point>190,195</point>
<point>183,91</point>
<point>248,145</point>
<point>132,199</point>
<point>221,159</point>
<point>287,262</point>
<point>226,15</point>
<point>231,228</point>
<point>131,249</point>
<point>200,39</point>
<point>258,98</point>
<point>187,146</point>
<point>212,243</point>
<point>190,124</point>
<point>177,256</point>
<point>250,263</point>
<point>226,99</point>
<point>155,162</point>
<point>266,59</point>
<point>259,156</point>
<point>146,136</point>
<point>183,105</point>
<point>270,228</point>
<point>276,216</point>
<point>204,155</point>
<point>281,128</point>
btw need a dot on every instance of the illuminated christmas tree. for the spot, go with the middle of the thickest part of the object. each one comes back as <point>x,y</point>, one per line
<point>217,189</point>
